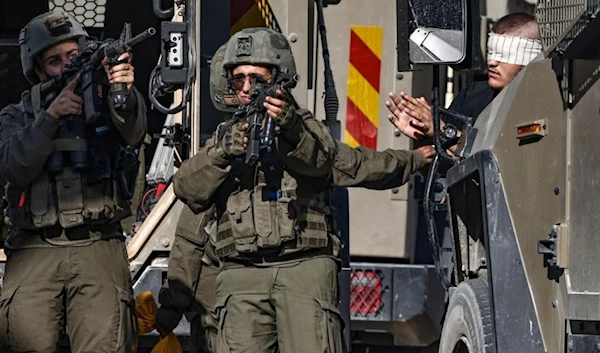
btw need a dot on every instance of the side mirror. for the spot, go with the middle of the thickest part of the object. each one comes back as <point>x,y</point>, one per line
<point>437,31</point>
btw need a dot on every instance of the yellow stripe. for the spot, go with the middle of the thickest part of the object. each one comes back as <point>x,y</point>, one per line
<point>263,7</point>
<point>372,36</point>
<point>349,140</point>
<point>252,18</point>
<point>363,95</point>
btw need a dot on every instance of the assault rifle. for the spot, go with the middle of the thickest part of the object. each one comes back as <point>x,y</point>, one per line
<point>260,138</point>
<point>88,65</point>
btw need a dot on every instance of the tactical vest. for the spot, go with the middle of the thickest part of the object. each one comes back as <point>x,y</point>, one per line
<point>270,209</point>
<point>69,197</point>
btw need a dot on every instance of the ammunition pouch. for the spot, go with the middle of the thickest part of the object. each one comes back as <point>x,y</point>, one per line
<point>69,194</point>
<point>235,231</point>
<point>68,200</point>
<point>263,220</point>
<point>44,211</point>
<point>19,213</point>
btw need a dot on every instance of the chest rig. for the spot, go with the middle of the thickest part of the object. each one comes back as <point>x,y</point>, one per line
<point>80,183</point>
<point>267,209</point>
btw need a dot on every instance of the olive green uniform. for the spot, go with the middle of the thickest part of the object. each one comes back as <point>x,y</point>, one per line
<point>67,264</point>
<point>272,301</point>
<point>277,289</point>
<point>193,266</point>
<point>191,282</point>
<point>376,170</point>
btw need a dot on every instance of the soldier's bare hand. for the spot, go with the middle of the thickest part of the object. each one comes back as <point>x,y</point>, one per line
<point>121,73</point>
<point>427,151</point>
<point>67,101</point>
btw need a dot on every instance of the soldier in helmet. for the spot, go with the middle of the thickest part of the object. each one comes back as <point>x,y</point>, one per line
<point>277,286</point>
<point>275,237</point>
<point>193,266</point>
<point>67,264</point>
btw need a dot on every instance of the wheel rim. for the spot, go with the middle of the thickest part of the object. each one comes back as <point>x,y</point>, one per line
<point>462,346</point>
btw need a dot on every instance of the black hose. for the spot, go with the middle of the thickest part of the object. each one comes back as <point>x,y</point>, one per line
<point>156,81</point>
<point>160,12</point>
<point>331,102</point>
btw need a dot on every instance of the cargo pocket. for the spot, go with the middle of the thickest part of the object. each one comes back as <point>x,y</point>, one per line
<point>221,309</point>
<point>241,221</point>
<point>127,331</point>
<point>5,300</point>
<point>329,326</point>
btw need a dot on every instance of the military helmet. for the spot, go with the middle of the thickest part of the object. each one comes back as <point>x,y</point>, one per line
<point>259,46</point>
<point>41,33</point>
<point>221,94</point>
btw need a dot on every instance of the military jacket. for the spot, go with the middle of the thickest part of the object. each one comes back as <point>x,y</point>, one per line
<point>65,208</point>
<point>276,209</point>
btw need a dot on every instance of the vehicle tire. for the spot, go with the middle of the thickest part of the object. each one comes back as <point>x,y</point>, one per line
<point>468,324</point>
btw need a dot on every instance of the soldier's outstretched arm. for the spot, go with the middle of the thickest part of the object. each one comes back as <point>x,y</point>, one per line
<point>24,150</point>
<point>185,264</point>
<point>377,170</point>
<point>306,147</point>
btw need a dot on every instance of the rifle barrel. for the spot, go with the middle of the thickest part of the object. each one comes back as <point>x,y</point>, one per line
<point>141,37</point>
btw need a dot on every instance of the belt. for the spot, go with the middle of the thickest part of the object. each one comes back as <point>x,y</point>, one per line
<point>80,232</point>
<point>273,257</point>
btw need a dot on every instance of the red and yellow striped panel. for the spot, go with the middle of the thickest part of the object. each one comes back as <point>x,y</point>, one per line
<point>364,71</point>
<point>244,14</point>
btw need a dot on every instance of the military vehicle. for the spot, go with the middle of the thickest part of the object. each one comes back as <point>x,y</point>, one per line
<point>392,294</point>
<point>521,197</point>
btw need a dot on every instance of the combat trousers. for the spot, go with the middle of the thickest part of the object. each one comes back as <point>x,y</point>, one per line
<point>86,288</point>
<point>291,309</point>
<point>203,327</point>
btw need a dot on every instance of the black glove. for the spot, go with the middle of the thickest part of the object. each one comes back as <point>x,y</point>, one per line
<point>287,117</point>
<point>230,144</point>
<point>167,319</point>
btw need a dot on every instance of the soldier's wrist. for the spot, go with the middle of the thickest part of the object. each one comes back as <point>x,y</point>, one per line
<point>289,120</point>
<point>47,123</point>
<point>52,113</point>
<point>294,132</point>
<point>218,156</point>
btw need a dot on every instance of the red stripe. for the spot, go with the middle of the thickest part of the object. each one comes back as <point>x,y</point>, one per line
<point>364,60</point>
<point>238,9</point>
<point>359,126</point>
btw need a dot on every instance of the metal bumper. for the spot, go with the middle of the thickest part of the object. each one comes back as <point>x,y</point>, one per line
<point>411,309</point>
